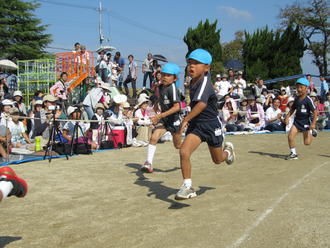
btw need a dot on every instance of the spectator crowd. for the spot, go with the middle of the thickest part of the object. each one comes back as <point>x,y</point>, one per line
<point>110,115</point>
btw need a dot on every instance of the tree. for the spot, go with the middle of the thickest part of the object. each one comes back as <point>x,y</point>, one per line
<point>312,18</point>
<point>234,48</point>
<point>272,54</point>
<point>206,36</point>
<point>22,34</point>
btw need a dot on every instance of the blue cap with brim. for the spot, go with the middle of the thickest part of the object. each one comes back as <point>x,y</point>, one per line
<point>303,81</point>
<point>201,55</point>
<point>173,69</point>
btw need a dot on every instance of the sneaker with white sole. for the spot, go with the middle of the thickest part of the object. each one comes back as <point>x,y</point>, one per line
<point>147,167</point>
<point>185,193</point>
<point>231,155</point>
<point>292,156</point>
<point>314,132</point>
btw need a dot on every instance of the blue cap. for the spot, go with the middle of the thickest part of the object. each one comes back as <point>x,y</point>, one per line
<point>201,55</point>
<point>303,81</point>
<point>174,69</point>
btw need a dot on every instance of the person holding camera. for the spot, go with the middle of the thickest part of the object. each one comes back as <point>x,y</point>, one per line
<point>147,70</point>
<point>44,117</point>
<point>60,90</point>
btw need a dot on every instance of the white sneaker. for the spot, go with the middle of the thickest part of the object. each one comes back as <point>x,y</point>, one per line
<point>231,155</point>
<point>136,143</point>
<point>185,193</point>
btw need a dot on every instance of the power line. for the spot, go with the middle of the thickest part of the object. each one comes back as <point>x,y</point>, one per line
<point>116,16</point>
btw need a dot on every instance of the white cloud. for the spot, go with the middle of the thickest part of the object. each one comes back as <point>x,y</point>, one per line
<point>235,13</point>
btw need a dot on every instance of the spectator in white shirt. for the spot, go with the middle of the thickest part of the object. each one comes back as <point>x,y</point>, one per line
<point>239,79</point>
<point>259,87</point>
<point>274,117</point>
<point>147,70</point>
<point>223,87</point>
<point>131,76</point>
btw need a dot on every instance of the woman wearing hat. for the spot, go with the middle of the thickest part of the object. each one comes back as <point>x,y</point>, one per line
<point>5,112</point>
<point>97,127</point>
<point>18,102</point>
<point>115,113</point>
<point>142,120</point>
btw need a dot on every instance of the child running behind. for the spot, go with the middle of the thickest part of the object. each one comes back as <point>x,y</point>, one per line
<point>203,122</point>
<point>169,118</point>
<point>305,110</point>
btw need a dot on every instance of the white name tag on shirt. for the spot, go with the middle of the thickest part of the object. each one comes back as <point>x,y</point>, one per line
<point>303,110</point>
<point>218,132</point>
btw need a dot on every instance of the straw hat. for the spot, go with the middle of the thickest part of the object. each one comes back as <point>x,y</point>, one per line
<point>126,105</point>
<point>49,98</point>
<point>13,110</point>
<point>120,98</point>
<point>105,86</point>
<point>142,99</point>
<point>313,94</point>
<point>99,105</point>
<point>38,102</point>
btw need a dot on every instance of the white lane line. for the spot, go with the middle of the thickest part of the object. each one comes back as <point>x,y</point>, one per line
<point>247,232</point>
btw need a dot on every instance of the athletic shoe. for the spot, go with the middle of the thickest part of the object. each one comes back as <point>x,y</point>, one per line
<point>20,188</point>
<point>185,193</point>
<point>147,167</point>
<point>314,132</point>
<point>292,156</point>
<point>231,156</point>
<point>5,170</point>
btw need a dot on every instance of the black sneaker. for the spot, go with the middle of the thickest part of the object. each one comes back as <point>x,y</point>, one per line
<point>292,156</point>
<point>314,132</point>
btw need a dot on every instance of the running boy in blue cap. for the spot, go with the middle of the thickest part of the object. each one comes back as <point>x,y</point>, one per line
<point>304,109</point>
<point>169,118</point>
<point>203,121</point>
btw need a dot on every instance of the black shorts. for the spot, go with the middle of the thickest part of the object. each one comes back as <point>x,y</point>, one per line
<point>170,124</point>
<point>208,131</point>
<point>302,125</point>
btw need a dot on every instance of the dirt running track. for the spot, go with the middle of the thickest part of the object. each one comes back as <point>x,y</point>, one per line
<point>102,200</point>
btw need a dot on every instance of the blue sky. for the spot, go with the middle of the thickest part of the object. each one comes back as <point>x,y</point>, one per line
<point>171,17</point>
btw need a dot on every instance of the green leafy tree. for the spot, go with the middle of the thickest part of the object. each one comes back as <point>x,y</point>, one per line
<point>272,54</point>
<point>206,36</point>
<point>234,48</point>
<point>312,18</point>
<point>22,34</point>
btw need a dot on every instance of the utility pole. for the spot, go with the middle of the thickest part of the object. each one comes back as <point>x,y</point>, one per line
<point>100,23</point>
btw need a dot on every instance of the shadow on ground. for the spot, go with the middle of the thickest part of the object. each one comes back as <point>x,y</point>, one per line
<point>273,155</point>
<point>322,155</point>
<point>5,240</point>
<point>160,191</point>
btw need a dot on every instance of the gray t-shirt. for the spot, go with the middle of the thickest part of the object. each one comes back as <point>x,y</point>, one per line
<point>148,65</point>
<point>132,69</point>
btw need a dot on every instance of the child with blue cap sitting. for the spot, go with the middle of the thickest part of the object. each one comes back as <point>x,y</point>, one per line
<point>203,121</point>
<point>169,118</point>
<point>305,110</point>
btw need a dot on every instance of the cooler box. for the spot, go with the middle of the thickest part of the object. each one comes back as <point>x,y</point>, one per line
<point>118,136</point>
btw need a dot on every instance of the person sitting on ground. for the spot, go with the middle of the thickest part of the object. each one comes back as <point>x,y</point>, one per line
<point>142,120</point>
<point>98,128</point>
<point>5,113</point>
<point>115,113</point>
<point>321,118</point>
<point>5,141</point>
<point>128,122</point>
<point>44,117</point>
<point>74,113</point>
<point>19,138</point>
<point>274,117</point>
<point>283,99</point>
<point>18,102</point>
<point>230,116</point>
<point>255,114</point>
<point>37,107</point>
<point>242,113</point>
<point>269,101</point>
<point>259,86</point>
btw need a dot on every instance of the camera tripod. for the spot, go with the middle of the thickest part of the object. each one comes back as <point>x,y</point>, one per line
<point>74,140</point>
<point>54,132</point>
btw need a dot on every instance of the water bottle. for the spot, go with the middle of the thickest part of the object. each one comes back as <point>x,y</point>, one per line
<point>38,143</point>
